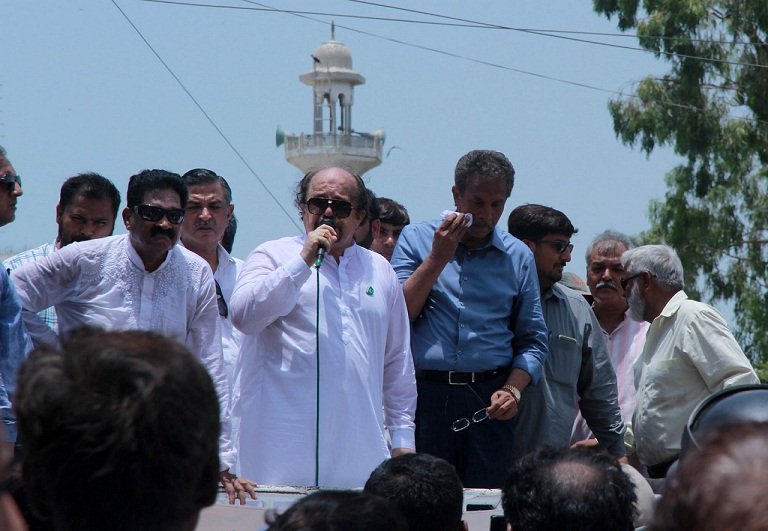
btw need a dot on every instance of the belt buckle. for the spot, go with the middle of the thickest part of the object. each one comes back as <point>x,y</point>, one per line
<point>451,382</point>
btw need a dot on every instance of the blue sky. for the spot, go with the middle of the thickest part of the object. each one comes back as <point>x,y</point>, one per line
<point>81,91</point>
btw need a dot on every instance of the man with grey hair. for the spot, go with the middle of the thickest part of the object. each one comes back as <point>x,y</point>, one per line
<point>478,336</point>
<point>689,353</point>
<point>623,336</point>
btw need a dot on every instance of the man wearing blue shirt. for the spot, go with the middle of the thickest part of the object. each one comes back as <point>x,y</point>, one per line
<point>477,332</point>
<point>14,343</point>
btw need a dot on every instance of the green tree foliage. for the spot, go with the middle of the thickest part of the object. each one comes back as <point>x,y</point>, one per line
<point>711,107</point>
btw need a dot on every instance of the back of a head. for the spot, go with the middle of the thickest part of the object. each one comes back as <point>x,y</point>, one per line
<point>721,485</point>
<point>426,489</point>
<point>120,432</point>
<point>533,222</point>
<point>340,510</point>
<point>571,488</point>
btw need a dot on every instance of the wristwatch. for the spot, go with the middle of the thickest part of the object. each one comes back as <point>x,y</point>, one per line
<point>514,391</point>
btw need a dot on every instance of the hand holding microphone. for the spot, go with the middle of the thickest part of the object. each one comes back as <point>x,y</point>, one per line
<point>329,235</point>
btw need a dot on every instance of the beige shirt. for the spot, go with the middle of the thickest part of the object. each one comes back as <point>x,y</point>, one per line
<point>689,354</point>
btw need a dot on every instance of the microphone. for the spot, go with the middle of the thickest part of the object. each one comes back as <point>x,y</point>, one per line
<point>331,222</point>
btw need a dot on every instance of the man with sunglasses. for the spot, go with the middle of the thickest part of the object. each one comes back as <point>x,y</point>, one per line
<point>689,353</point>
<point>137,281</point>
<point>477,333</point>
<point>325,363</point>
<point>578,375</point>
<point>14,342</point>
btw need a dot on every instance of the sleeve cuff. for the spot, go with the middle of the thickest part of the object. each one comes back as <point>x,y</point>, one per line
<point>403,438</point>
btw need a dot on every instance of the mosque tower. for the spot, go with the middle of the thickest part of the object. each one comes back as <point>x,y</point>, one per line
<point>332,142</point>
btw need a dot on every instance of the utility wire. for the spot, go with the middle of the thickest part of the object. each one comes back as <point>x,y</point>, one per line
<point>207,116</point>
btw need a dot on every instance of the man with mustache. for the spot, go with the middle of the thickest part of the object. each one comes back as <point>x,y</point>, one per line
<point>325,362</point>
<point>137,281</point>
<point>578,376</point>
<point>624,336</point>
<point>87,210</point>
<point>477,332</point>
<point>209,210</point>
<point>14,341</point>
<point>689,353</point>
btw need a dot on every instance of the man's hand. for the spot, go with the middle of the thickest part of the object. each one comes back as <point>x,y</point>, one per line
<point>396,452</point>
<point>447,237</point>
<point>322,236</point>
<point>503,405</point>
<point>237,488</point>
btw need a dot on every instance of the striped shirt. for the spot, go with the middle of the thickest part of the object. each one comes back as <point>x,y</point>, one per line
<point>49,314</point>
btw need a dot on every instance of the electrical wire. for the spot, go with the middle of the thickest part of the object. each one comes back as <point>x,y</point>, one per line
<point>207,116</point>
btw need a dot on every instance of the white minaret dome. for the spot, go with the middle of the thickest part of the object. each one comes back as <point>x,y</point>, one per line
<point>332,142</point>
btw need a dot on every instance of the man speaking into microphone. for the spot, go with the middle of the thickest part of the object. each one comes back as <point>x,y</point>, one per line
<point>325,362</point>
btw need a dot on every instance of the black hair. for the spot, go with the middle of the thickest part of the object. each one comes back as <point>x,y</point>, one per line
<point>533,222</point>
<point>148,180</point>
<point>91,186</point>
<point>202,176</point>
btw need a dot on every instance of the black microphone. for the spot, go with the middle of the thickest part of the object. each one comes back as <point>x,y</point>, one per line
<point>331,222</point>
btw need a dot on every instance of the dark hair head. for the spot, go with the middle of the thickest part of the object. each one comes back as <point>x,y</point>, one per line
<point>361,201</point>
<point>392,212</point>
<point>120,432</point>
<point>426,489</point>
<point>341,510</point>
<point>533,222</point>
<point>487,165</point>
<point>91,186</point>
<point>571,488</point>
<point>148,180</point>
<point>201,176</point>
<point>720,485</point>
<point>228,238</point>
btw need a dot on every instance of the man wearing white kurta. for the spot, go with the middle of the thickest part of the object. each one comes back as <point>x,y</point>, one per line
<point>366,376</point>
<point>140,281</point>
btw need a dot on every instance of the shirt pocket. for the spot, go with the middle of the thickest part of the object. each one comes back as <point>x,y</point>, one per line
<point>563,364</point>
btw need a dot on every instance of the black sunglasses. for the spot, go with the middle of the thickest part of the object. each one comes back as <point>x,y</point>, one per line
<point>153,213</point>
<point>10,180</point>
<point>625,280</point>
<point>318,206</point>
<point>559,246</point>
<point>223,309</point>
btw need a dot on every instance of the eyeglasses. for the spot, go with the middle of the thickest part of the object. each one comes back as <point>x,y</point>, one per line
<point>318,205</point>
<point>223,309</point>
<point>10,180</point>
<point>153,213</point>
<point>625,280</point>
<point>478,416</point>
<point>559,246</point>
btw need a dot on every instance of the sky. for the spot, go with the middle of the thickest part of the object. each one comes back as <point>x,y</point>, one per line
<point>81,90</point>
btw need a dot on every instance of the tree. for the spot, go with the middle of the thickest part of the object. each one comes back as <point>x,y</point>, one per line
<point>711,107</point>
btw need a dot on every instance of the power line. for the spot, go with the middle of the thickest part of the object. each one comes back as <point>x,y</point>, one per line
<point>207,116</point>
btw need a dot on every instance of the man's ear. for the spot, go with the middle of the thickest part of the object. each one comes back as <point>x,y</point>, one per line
<point>376,227</point>
<point>59,213</point>
<point>127,217</point>
<point>456,195</point>
<point>230,211</point>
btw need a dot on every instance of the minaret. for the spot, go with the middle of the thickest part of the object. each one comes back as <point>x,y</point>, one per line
<point>332,142</point>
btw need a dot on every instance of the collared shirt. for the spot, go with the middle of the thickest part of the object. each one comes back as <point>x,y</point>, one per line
<point>625,344</point>
<point>48,315</point>
<point>689,354</point>
<point>483,312</point>
<point>226,275</point>
<point>578,376</point>
<point>103,283</point>
<point>14,346</point>
<point>366,376</point>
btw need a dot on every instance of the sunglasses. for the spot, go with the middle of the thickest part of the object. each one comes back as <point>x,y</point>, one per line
<point>223,309</point>
<point>559,246</point>
<point>318,206</point>
<point>153,213</point>
<point>10,180</point>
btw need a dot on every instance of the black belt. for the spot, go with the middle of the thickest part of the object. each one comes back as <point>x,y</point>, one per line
<point>459,378</point>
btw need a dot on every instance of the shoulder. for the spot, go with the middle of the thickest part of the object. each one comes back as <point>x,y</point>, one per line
<point>511,244</point>
<point>29,255</point>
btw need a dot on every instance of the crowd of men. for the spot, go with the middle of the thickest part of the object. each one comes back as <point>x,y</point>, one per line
<point>368,336</point>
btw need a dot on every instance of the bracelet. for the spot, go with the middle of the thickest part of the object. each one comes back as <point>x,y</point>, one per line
<point>512,390</point>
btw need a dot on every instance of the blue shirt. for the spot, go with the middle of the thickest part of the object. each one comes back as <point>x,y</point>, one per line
<point>483,312</point>
<point>14,346</point>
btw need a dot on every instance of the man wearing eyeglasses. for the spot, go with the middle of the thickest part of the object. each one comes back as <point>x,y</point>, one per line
<point>477,333</point>
<point>206,217</point>
<point>14,341</point>
<point>138,281</point>
<point>689,353</point>
<point>325,363</point>
<point>578,375</point>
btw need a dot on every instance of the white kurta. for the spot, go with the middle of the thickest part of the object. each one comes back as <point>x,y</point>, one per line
<point>103,283</point>
<point>366,370</point>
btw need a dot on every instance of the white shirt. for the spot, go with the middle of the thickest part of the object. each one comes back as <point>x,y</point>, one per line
<point>625,344</point>
<point>103,283</point>
<point>366,370</point>
<point>226,274</point>
<point>689,354</point>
